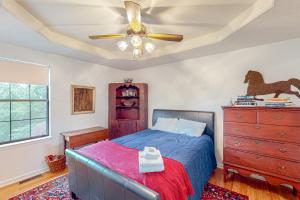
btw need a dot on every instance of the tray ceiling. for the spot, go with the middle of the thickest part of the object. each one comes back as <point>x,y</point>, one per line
<point>68,23</point>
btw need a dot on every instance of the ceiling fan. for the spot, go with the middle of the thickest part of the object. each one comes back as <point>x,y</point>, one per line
<point>136,32</point>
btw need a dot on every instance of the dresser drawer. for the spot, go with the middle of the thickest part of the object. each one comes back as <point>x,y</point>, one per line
<point>270,132</point>
<point>279,117</point>
<point>233,115</point>
<point>88,138</point>
<point>274,149</point>
<point>267,164</point>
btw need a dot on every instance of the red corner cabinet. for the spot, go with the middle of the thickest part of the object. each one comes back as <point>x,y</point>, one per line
<point>128,108</point>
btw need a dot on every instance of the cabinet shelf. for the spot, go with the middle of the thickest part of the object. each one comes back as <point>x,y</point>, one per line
<point>122,119</point>
<point>127,107</point>
<point>127,97</point>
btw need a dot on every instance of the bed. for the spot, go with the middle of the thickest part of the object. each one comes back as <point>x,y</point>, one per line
<point>89,179</point>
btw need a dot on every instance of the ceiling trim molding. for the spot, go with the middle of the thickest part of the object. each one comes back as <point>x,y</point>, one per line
<point>253,12</point>
<point>23,15</point>
<point>38,26</point>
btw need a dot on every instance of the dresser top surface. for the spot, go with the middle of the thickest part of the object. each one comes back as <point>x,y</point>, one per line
<point>260,108</point>
<point>82,131</point>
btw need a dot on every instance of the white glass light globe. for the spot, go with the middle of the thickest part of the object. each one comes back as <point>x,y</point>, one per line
<point>122,45</point>
<point>137,52</point>
<point>149,47</point>
<point>136,41</point>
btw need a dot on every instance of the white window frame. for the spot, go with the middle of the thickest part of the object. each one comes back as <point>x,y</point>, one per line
<point>35,139</point>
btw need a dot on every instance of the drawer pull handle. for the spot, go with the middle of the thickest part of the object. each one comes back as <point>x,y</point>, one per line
<point>281,167</point>
<point>237,143</point>
<point>283,150</point>
<point>236,129</point>
<point>238,115</point>
<point>237,157</point>
<point>278,117</point>
<point>257,126</point>
<point>282,134</point>
<point>257,141</point>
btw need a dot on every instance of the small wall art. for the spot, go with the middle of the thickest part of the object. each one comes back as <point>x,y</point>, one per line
<point>83,99</point>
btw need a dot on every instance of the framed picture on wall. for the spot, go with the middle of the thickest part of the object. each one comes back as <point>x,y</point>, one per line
<point>83,99</point>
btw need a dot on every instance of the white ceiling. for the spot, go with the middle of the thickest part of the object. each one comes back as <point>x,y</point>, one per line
<point>197,20</point>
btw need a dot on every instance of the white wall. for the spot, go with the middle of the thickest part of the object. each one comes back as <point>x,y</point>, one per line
<point>24,160</point>
<point>205,83</point>
<point>208,83</point>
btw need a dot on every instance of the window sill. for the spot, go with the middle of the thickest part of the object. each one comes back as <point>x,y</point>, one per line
<point>9,145</point>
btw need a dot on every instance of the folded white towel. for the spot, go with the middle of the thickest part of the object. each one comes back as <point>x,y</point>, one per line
<point>143,169</point>
<point>149,162</point>
<point>150,165</point>
<point>151,153</point>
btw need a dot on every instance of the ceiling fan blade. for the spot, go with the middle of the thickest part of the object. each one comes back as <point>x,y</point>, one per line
<point>167,37</point>
<point>108,36</point>
<point>133,11</point>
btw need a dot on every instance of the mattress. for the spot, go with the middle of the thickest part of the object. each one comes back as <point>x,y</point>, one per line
<point>195,153</point>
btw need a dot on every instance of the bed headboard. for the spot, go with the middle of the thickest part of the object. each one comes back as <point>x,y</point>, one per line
<point>200,116</point>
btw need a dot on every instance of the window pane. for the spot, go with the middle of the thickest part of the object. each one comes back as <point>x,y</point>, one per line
<point>4,111</point>
<point>38,127</point>
<point>4,91</point>
<point>4,132</point>
<point>38,92</point>
<point>20,130</point>
<point>20,110</point>
<point>39,110</point>
<point>19,91</point>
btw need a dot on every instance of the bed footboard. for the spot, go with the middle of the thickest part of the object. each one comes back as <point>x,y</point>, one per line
<point>90,180</point>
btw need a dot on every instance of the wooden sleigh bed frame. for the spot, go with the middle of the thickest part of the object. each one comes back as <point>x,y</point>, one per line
<point>89,180</point>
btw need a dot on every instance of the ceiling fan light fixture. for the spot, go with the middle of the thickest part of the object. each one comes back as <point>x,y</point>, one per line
<point>149,47</point>
<point>122,45</point>
<point>137,38</point>
<point>137,53</point>
<point>136,41</point>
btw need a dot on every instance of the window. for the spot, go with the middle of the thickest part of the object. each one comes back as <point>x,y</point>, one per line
<point>24,112</point>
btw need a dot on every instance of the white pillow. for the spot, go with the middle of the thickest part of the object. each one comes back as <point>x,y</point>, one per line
<point>165,124</point>
<point>190,128</point>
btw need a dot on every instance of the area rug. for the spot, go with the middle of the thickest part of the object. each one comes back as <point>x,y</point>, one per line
<point>58,189</point>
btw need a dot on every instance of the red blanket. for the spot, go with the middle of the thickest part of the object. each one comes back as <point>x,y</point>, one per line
<point>172,184</point>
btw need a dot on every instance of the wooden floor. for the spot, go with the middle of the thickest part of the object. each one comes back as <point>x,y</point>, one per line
<point>15,189</point>
<point>256,190</point>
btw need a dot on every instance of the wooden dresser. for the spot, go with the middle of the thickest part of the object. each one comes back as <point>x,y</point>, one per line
<point>78,138</point>
<point>263,141</point>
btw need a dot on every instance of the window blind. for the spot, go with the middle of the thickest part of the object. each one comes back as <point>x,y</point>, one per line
<point>20,72</point>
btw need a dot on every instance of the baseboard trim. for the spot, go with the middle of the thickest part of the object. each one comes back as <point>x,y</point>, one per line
<point>23,177</point>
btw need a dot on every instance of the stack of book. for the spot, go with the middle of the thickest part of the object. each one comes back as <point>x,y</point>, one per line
<point>245,101</point>
<point>278,102</point>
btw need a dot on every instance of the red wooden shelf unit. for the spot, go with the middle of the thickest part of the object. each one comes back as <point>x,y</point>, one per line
<point>128,108</point>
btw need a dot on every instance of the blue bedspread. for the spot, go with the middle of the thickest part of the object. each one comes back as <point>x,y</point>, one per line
<point>195,153</point>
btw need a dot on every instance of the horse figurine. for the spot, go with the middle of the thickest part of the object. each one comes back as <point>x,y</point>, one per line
<point>257,86</point>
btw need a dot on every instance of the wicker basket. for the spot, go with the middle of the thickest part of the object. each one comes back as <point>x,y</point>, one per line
<point>56,162</point>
